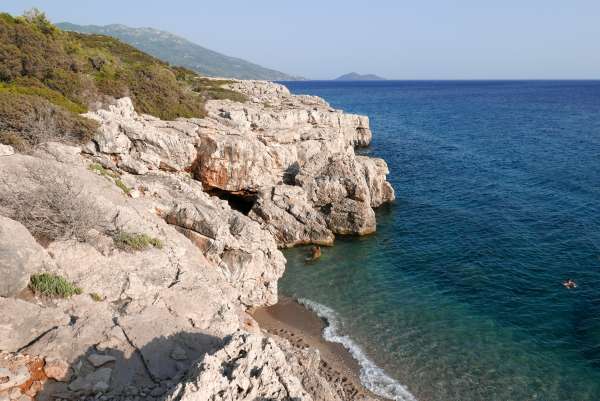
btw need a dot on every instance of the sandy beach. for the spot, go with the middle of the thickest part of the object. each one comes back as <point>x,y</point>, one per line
<point>291,320</point>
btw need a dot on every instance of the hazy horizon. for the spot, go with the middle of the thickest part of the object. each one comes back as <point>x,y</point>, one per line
<point>431,40</point>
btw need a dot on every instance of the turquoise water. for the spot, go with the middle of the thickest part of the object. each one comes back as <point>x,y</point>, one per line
<point>458,296</point>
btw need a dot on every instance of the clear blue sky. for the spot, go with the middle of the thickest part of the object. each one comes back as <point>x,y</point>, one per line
<point>419,39</point>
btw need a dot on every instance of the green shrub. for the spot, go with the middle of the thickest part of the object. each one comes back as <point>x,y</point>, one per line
<point>111,175</point>
<point>15,140</point>
<point>54,97</point>
<point>51,285</point>
<point>214,89</point>
<point>41,65</point>
<point>35,120</point>
<point>135,241</point>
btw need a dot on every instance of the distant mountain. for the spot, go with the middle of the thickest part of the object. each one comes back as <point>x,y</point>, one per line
<point>181,52</point>
<point>353,76</point>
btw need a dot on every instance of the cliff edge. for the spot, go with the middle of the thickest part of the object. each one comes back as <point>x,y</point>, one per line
<point>131,260</point>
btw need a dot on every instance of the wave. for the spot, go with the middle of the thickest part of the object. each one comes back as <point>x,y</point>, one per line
<point>372,376</point>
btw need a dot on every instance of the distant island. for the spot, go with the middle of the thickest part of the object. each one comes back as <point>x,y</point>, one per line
<point>353,76</point>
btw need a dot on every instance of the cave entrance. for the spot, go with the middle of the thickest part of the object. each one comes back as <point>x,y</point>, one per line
<point>242,202</point>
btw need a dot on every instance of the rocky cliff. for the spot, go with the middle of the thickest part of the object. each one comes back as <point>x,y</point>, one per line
<point>168,232</point>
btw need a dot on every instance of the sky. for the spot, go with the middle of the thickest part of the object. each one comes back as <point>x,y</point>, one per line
<point>401,39</point>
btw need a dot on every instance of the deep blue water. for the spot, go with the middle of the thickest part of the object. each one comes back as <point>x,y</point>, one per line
<point>458,296</point>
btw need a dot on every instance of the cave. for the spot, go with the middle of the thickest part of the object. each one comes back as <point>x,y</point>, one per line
<point>242,202</point>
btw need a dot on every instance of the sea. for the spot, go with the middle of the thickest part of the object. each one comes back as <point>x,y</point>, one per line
<point>459,295</point>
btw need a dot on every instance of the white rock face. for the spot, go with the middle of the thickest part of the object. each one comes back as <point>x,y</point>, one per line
<point>247,368</point>
<point>20,256</point>
<point>286,213</point>
<point>256,150</point>
<point>145,317</point>
<point>150,301</point>
<point>22,322</point>
<point>167,145</point>
<point>6,150</point>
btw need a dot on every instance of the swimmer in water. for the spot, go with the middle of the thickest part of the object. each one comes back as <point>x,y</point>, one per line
<point>570,284</point>
<point>315,253</point>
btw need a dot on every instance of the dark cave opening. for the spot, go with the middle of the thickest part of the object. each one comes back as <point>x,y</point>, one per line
<point>242,202</point>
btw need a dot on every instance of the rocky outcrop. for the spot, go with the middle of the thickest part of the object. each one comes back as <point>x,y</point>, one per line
<point>131,137</point>
<point>136,306</point>
<point>148,310</point>
<point>292,156</point>
<point>251,367</point>
<point>286,213</point>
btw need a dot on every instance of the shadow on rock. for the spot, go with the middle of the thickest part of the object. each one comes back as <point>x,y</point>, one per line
<point>111,373</point>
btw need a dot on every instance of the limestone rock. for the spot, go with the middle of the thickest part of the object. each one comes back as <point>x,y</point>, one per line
<point>98,360</point>
<point>6,150</point>
<point>337,186</point>
<point>59,152</point>
<point>131,165</point>
<point>285,212</point>
<point>249,367</point>
<point>375,171</point>
<point>14,377</point>
<point>22,322</point>
<point>158,144</point>
<point>20,256</point>
<point>256,148</point>
<point>97,381</point>
<point>57,369</point>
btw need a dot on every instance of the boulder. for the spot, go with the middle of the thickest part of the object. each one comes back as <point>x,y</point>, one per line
<point>285,212</point>
<point>20,256</point>
<point>337,186</point>
<point>57,369</point>
<point>375,171</point>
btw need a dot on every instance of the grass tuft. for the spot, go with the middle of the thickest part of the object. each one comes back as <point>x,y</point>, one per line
<point>96,297</point>
<point>99,169</point>
<point>111,175</point>
<point>51,285</point>
<point>122,185</point>
<point>135,241</point>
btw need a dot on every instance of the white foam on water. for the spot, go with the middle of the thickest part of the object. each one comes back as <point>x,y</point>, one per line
<point>371,375</point>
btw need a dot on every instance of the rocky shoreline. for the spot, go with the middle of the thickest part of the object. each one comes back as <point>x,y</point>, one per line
<point>174,234</point>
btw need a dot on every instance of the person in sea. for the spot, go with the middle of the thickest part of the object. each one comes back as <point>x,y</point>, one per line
<point>315,253</point>
<point>570,284</point>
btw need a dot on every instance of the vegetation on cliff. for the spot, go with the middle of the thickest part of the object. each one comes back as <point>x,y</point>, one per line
<point>48,77</point>
<point>179,51</point>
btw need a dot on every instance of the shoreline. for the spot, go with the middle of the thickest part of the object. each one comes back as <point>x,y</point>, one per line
<point>302,327</point>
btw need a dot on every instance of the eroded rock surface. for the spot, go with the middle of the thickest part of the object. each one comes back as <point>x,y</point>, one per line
<point>146,313</point>
<point>257,150</point>
<point>20,256</point>
<point>248,367</point>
